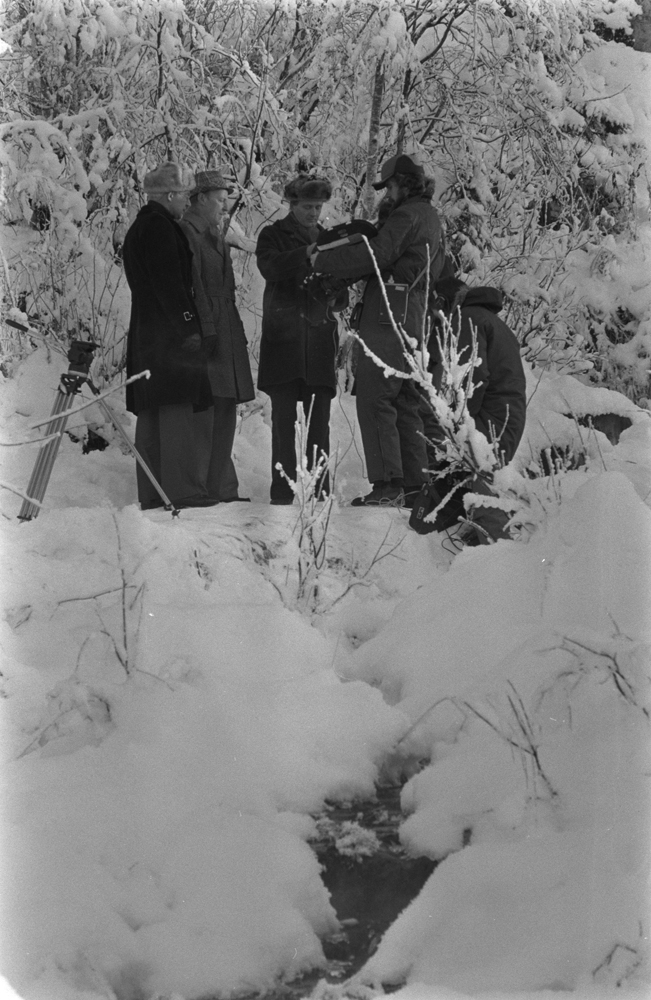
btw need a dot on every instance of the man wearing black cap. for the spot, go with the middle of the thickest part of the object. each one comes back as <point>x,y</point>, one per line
<point>388,408</point>
<point>165,337</point>
<point>224,339</point>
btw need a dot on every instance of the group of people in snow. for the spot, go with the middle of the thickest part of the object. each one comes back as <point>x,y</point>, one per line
<point>185,328</point>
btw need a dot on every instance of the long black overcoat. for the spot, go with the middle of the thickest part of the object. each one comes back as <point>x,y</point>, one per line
<point>158,267</point>
<point>299,330</point>
<point>229,369</point>
<point>498,404</point>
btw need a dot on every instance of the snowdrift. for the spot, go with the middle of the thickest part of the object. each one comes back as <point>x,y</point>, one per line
<point>173,720</point>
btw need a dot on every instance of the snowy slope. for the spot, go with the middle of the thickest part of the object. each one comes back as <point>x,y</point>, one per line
<point>173,714</point>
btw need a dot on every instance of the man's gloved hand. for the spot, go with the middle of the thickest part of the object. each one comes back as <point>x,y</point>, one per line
<point>192,344</point>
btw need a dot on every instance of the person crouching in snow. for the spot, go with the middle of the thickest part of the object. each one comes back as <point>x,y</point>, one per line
<point>300,334</point>
<point>388,408</point>
<point>498,403</point>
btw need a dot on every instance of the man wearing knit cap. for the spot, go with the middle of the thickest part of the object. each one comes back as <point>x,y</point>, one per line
<point>165,337</point>
<point>224,339</point>
<point>299,331</point>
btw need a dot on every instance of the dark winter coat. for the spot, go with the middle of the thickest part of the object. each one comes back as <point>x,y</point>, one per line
<point>499,403</point>
<point>299,330</point>
<point>225,342</point>
<point>400,249</point>
<point>164,330</point>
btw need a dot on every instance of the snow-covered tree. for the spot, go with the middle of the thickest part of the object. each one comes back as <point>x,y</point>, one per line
<point>522,110</point>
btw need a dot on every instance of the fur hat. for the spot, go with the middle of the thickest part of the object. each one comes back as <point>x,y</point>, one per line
<point>167,177</point>
<point>402,164</point>
<point>308,188</point>
<point>211,180</point>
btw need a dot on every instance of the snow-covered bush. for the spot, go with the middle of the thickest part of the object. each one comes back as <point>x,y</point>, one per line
<point>522,112</point>
<point>313,491</point>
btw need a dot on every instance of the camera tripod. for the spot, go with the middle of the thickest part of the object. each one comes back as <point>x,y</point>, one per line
<point>80,357</point>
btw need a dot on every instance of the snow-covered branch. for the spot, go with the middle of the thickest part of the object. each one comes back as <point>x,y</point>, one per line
<point>96,399</point>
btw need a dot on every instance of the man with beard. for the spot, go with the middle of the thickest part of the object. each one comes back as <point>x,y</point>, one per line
<point>388,408</point>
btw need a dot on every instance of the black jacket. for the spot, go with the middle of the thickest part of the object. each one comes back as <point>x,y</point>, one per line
<point>299,331</point>
<point>499,403</point>
<point>164,326</point>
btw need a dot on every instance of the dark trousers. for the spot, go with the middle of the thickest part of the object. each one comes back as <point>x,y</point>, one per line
<point>284,401</point>
<point>166,439</point>
<point>215,433</point>
<point>388,412</point>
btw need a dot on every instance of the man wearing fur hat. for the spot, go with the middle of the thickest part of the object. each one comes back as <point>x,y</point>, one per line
<point>299,331</point>
<point>388,408</point>
<point>165,337</point>
<point>224,339</point>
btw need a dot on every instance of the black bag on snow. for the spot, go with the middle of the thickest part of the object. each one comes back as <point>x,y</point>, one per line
<point>425,502</point>
<point>431,496</point>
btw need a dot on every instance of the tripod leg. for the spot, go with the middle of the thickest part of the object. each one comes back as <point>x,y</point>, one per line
<point>46,456</point>
<point>103,405</point>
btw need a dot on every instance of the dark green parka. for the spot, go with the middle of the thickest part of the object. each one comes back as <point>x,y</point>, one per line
<point>400,249</point>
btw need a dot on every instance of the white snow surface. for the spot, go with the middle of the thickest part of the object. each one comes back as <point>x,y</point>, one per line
<point>174,717</point>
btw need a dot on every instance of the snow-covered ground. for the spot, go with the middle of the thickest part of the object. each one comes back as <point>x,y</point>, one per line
<point>175,711</point>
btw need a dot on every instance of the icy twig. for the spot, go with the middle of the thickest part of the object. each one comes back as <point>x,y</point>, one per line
<point>526,745</point>
<point>314,512</point>
<point>362,581</point>
<point>19,493</point>
<point>94,400</point>
<point>27,441</point>
<point>613,666</point>
<point>424,715</point>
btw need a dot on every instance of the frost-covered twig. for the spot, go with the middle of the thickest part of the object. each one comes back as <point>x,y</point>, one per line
<point>609,654</point>
<point>95,399</point>
<point>361,579</point>
<point>19,493</point>
<point>461,445</point>
<point>41,440</point>
<point>315,498</point>
<point>526,744</point>
<point>423,716</point>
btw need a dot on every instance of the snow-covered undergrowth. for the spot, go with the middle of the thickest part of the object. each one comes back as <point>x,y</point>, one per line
<point>173,717</point>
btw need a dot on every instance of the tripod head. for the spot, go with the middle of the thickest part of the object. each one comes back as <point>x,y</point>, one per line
<point>80,357</point>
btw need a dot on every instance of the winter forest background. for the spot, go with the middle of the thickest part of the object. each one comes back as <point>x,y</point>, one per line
<point>190,707</point>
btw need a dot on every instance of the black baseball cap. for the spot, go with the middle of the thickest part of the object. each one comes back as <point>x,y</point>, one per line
<point>401,164</point>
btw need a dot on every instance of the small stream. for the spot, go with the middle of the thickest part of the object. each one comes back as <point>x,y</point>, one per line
<point>370,879</point>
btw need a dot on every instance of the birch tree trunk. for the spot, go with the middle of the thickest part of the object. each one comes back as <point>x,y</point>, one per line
<point>373,136</point>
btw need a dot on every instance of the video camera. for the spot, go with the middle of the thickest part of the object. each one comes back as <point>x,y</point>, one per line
<point>345,233</point>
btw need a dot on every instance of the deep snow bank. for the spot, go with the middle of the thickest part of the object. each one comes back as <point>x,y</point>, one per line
<point>535,660</point>
<point>168,739</point>
<point>170,720</point>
